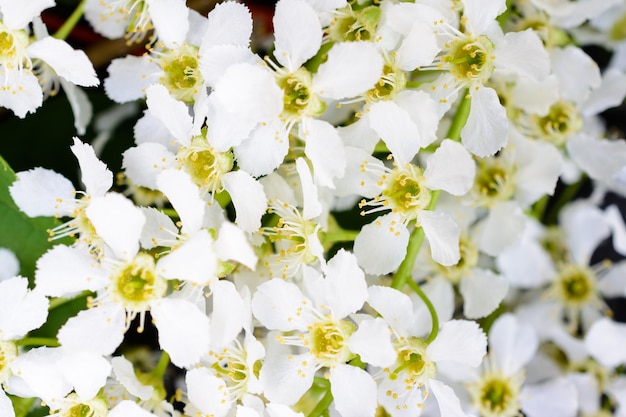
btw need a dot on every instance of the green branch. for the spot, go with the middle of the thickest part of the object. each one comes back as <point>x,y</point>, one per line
<point>65,30</point>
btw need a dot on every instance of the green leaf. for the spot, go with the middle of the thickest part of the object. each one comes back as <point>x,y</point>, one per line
<point>26,237</point>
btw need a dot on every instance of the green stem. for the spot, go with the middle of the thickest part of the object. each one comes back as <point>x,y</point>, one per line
<point>161,366</point>
<point>322,407</point>
<point>340,236</point>
<point>431,309</point>
<point>564,197</point>
<point>38,341</point>
<point>65,30</point>
<point>539,207</point>
<point>58,302</point>
<point>454,132</point>
<point>415,243</point>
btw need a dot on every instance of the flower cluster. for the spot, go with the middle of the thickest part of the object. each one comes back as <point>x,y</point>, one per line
<point>374,216</point>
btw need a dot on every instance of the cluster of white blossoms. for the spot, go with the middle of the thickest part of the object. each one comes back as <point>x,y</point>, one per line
<point>465,284</point>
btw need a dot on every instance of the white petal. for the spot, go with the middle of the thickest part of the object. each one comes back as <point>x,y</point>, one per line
<point>183,330</point>
<point>229,23</point>
<point>87,372</point>
<point>184,197</point>
<point>585,227</point>
<point>159,229</point>
<point>207,392</point>
<point>248,198</point>
<point>512,343</point>
<point>69,63</point>
<point>80,104</point>
<point>346,286</point>
<point>524,53</point>
<point>169,18</point>
<point>396,128</point>
<point>487,126</point>
<point>94,173</point>
<point>423,110</point>
<point>250,92</point>
<point>195,260</point>
<point>535,96</point>
<point>63,271</point>
<point>443,234</point>
<point>577,72</point>
<point>39,371</point>
<point>98,330</point>
<point>449,404</point>
<point>618,227</point>
<point>129,408</point>
<point>41,192</point>
<point>21,310</point>
<point>264,150</point>
<point>325,150</point>
<point>503,227</point>
<point>118,222</point>
<point>605,340</point>
<point>129,77</point>
<point>125,373</point>
<point>298,33</point>
<point>539,165</point>
<point>609,94</point>
<point>18,15</point>
<point>482,292</point>
<point>480,13</point>
<point>229,313</point>
<point>172,113</point>
<point>6,406</point>
<point>232,244</point>
<point>215,59</point>
<point>418,48</point>
<point>352,69</point>
<point>394,306</point>
<point>20,92</point>
<point>451,168</point>
<point>381,245</point>
<point>354,391</point>
<point>601,159</point>
<point>311,205</point>
<point>286,378</point>
<point>9,264</point>
<point>277,305</point>
<point>143,163</point>
<point>361,176</point>
<point>461,341</point>
<point>556,397</point>
<point>372,342</point>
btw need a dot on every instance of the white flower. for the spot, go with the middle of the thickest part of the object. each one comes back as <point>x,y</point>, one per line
<point>410,376</point>
<point>322,330</point>
<point>102,220</point>
<point>23,60</point>
<point>406,190</point>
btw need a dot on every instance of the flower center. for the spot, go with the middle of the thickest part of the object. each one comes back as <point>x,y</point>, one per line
<point>136,284</point>
<point>493,182</point>
<point>560,123</point>
<point>181,73</point>
<point>575,285</point>
<point>355,25</point>
<point>8,353</point>
<point>95,407</point>
<point>404,193</point>
<point>298,100</point>
<point>389,83</point>
<point>618,30</point>
<point>469,259</point>
<point>496,396</point>
<point>327,341</point>
<point>204,165</point>
<point>412,360</point>
<point>553,242</point>
<point>12,46</point>
<point>470,58</point>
